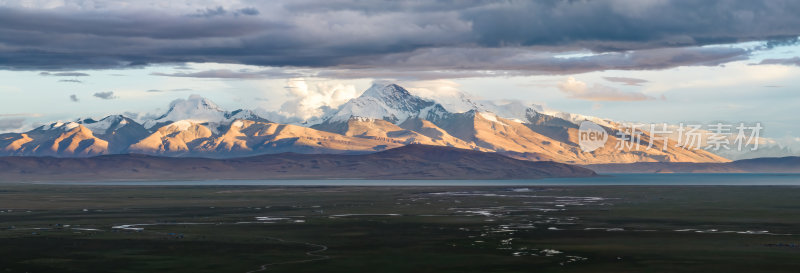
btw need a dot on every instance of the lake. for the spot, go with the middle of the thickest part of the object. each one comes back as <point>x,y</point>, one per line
<point>737,179</point>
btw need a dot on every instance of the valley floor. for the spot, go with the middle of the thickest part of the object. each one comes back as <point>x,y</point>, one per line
<point>84,228</point>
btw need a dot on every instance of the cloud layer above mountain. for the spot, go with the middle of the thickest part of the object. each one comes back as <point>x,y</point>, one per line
<point>11,123</point>
<point>454,39</point>
<point>597,92</point>
<point>313,99</point>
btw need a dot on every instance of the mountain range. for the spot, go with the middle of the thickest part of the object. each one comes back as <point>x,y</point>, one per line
<point>383,117</point>
<point>407,162</point>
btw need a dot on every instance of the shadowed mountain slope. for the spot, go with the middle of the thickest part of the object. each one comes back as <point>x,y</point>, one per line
<point>407,162</point>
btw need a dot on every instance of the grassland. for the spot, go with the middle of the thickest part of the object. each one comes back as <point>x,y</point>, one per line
<point>63,228</point>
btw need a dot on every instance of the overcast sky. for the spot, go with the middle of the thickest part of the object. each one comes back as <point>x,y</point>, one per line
<point>638,60</point>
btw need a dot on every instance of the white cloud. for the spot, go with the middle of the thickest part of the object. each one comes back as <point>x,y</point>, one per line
<point>310,99</point>
<point>11,123</point>
<point>434,89</point>
<point>580,90</point>
<point>736,74</point>
<point>446,92</point>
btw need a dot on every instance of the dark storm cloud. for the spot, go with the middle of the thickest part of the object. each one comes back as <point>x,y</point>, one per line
<point>782,42</point>
<point>476,62</point>
<point>788,61</point>
<point>73,98</point>
<point>105,95</point>
<point>624,25</point>
<point>379,35</point>
<point>626,80</point>
<point>248,11</point>
<point>231,74</point>
<point>209,12</point>
<point>437,63</point>
<point>101,26</point>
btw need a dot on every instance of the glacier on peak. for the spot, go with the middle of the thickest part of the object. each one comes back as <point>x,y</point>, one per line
<point>195,107</point>
<point>455,101</point>
<point>105,125</point>
<point>58,126</point>
<point>198,109</point>
<point>388,102</point>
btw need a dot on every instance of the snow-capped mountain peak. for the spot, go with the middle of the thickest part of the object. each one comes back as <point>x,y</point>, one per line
<point>389,91</point>
<point>456,101</point>
<point>384,116</point>
<point>195,107</point>
<point>105,125</point>
<point>389,102</point>
<point>245,114</point>
<point>200,110</point>
<point>66,126</point>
